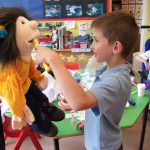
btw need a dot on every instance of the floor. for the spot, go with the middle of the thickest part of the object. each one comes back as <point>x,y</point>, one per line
<point>131,137</point>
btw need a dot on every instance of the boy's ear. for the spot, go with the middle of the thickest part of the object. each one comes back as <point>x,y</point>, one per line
<point>117,47</point>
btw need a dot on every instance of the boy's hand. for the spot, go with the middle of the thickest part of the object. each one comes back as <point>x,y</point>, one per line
<point>80,124</point>
<point>45,54</point>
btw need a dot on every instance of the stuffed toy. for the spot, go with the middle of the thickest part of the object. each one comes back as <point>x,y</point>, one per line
<point>20,81</point>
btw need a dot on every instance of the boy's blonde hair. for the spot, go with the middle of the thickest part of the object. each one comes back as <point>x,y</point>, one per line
<point>118,26</point>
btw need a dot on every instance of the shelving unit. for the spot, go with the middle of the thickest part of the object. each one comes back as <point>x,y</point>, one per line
<point>67,52</point>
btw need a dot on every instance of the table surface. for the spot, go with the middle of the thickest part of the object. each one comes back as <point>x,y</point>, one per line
<point>130,115</point>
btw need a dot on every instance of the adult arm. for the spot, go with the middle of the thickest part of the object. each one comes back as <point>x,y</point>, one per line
<point>143,58</point>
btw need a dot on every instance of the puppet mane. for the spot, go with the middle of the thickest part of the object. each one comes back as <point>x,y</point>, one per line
<point>9,51</point>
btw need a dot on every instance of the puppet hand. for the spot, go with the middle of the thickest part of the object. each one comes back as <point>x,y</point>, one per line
<point>28,116</point>
<point>18,123</point>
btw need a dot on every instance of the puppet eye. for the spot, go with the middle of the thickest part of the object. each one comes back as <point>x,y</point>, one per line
<point>22,22</point>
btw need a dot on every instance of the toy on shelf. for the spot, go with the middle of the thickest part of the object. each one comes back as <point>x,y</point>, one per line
<point>58,38</point>
<point>81,43</point>
<point>45,38</point>
<point>55,38</point>
<point>76,44</point>
<point>68,39</point>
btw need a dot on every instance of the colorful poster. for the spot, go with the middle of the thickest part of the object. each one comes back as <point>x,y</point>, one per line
<point>125,8</point>
<point>135,8</point>
<point>132,9</point>
<point>95,9</point>
<point>139,1</point>
<point>52,11</point>
<point>74,8</point>
<point>131,1</point>
<point>125,1</point>
<point>138,12</point>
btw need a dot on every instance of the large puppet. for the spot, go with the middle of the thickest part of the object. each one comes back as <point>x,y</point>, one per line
<point>17,72</point>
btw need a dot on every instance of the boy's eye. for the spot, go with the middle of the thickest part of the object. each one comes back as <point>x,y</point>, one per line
<point>95,40</point>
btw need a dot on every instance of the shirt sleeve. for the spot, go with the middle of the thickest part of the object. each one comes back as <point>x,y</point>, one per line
<point>106,93</point>
<point>146,55</point>
<point>12,92</point>
<point>34,73</point>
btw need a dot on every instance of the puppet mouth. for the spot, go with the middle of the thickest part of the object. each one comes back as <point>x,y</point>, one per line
<point>31,41</point>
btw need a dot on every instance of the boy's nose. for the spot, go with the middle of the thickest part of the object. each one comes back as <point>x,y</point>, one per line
<point>91,47</point>
<point>33,24</point>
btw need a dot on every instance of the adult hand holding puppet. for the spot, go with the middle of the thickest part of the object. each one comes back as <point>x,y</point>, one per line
<point>17,70</point>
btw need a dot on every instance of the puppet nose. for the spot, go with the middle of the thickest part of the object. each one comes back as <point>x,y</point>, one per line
<point>33,25</point>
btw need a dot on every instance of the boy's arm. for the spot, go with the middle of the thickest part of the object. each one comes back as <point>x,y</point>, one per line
<point>77,98</point>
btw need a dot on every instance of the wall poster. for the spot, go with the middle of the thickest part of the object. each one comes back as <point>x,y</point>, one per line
<point>135,8</point>
<point>74,8</point>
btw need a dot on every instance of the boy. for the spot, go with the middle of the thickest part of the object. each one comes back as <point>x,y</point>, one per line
<point>114,36</point>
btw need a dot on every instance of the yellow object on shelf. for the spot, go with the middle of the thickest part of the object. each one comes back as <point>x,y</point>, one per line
<point>72,58</point>
<point>63,57</point>
<point>83,57</point>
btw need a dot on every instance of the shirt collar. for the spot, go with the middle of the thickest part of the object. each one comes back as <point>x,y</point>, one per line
<point>104,72</point>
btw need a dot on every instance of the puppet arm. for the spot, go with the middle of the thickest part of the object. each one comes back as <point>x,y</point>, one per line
<point>14,96</point>
<point>41,80</point>
<point>20,122</point>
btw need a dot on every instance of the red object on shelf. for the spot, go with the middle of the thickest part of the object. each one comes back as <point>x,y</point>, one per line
<point>66,46</point>
<point>20,134</point>
<point>45,39</point>
<point>72,65</point>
